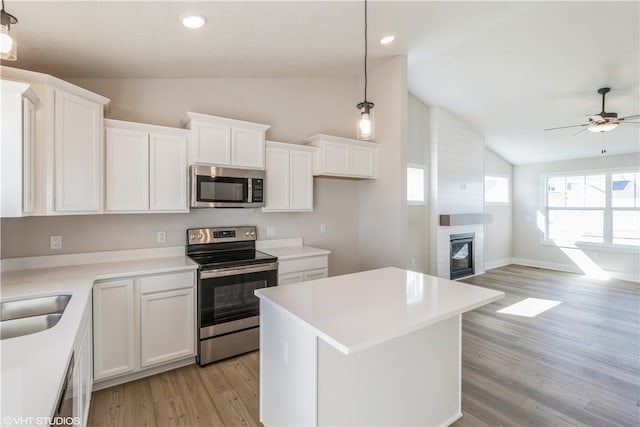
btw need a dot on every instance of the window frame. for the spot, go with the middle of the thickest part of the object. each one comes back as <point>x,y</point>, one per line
<point>607,209</point>
<point>424,185</point>
<point>484,189</point>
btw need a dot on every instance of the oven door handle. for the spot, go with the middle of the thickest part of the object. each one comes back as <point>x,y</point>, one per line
<point>233,271</point>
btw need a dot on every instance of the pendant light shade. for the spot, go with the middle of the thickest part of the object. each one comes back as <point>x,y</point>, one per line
<point>365,122</point>
<point>8,45</point>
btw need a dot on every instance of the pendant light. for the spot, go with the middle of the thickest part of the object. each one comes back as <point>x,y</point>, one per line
<point>365,123</point>
<point>8,48</point>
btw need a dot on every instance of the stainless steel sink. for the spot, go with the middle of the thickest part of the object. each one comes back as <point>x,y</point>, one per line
<point>28,316</point>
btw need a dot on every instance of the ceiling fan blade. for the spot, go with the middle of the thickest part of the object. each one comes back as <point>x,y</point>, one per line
<point>580,131</point>
<point>629,117</point>
<point>572,126</point>
<point>629,123</point>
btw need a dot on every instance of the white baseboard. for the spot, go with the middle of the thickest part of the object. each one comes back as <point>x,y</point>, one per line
<point>48,261</point>
<point>488,265</point>
<point>568,268</point>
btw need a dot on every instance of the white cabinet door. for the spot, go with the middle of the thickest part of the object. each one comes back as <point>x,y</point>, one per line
<point>247,148</point>
<point>83,376</point>
<point>335,158</point>
<point>113,328</point>
<point>127,170</point>
<point>362,161</point>
<point>277,177</point>
<point>77,154</point>
<point>301,180</point>
<point>211,144</point>
<point>28,156</point>
<point>167,326</point>
<point>168,173</point>
<point>289,176</point>
<point>17,150</point>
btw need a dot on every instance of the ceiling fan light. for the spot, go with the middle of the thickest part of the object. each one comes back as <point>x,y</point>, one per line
<point>603,127</point>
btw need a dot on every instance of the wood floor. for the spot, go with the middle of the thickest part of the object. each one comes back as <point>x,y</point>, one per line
<point>576,364</point>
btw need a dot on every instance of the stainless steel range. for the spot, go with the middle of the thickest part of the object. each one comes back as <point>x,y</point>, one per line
<point>230,270</point>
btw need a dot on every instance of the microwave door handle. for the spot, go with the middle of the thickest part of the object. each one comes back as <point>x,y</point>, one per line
<point>234,271</point>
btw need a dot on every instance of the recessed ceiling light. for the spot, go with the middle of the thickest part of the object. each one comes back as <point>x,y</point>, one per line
<point>387,39</point>
<point>193,21</point>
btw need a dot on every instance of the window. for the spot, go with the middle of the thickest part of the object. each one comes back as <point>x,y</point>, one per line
<point>415,184</point>
<point>601,208</point>
<point>496,189</point>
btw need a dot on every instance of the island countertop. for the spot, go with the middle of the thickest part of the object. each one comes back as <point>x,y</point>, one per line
<point>356,311</point>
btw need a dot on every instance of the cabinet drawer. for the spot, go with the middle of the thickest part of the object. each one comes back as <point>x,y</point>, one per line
<point>303,264</point>
<point>167,282</point>
<point>316,274</point>
<point>287,279</point>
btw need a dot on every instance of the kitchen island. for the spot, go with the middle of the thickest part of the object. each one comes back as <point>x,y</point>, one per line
<point>379,347</point>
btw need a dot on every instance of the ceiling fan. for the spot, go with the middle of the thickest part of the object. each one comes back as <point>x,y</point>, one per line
<point>602,122</point>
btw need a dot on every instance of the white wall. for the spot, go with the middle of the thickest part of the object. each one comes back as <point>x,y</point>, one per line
<point>528,202</point>
<point>497,235</point>
<point>382,206</point>
<point>457,185</point>
<point>418,215</point>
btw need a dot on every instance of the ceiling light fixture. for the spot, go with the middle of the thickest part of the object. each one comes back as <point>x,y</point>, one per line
<point>8,45</point>
<point>193,21</point>
<point>365,124</point>
<point>603,127</point>
<point>387,39</point>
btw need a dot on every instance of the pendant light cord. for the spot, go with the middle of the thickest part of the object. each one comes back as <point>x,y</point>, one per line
<point>365,50</point>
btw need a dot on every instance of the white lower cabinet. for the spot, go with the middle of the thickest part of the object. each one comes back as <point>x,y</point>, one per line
<point>143,322</point>
<point>303,269</point>
<point>83,375</point>
<point>113,328</point>
<point>166,326</point>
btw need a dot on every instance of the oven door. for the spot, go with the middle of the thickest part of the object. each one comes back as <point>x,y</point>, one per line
<point>226,301</point>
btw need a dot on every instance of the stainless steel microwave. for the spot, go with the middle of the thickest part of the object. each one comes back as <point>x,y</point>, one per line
<point>218,187</point>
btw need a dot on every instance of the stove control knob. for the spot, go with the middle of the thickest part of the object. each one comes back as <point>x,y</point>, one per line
<point>253,233</point>
<point>193,236</point>
<point>246,233</point>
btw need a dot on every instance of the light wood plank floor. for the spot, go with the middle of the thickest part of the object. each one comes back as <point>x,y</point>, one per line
<point>576,364</point>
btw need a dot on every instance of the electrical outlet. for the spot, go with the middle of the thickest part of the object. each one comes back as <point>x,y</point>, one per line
<point>323,228</point>
<point>271,231</point>
<point>412,262</point>
<point>162,237</point>
<point>55,242</point>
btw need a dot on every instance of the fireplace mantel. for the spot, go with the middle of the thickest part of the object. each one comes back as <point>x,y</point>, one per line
<point>465,219</point>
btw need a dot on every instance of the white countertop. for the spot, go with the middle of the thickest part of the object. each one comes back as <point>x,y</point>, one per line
<point>33,366</point>
<point>357,311</point>
<point>288,249</point>
<point>295,252</point>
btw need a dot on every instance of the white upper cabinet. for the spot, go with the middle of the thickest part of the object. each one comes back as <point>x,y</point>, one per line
<point>66,157</point>
<point>17,154</point>
<point>343,157</point>
<point>289,178</point>
<point>77,154</point>
<point>127,162</point>
<point>168,171</point>
<point>146,168</point>
<point>225,142</point>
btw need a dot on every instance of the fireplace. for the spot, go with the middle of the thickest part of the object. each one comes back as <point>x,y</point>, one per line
<point>461,255</point>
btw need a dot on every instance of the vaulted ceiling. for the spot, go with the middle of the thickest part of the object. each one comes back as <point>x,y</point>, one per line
<point>510,69</point>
